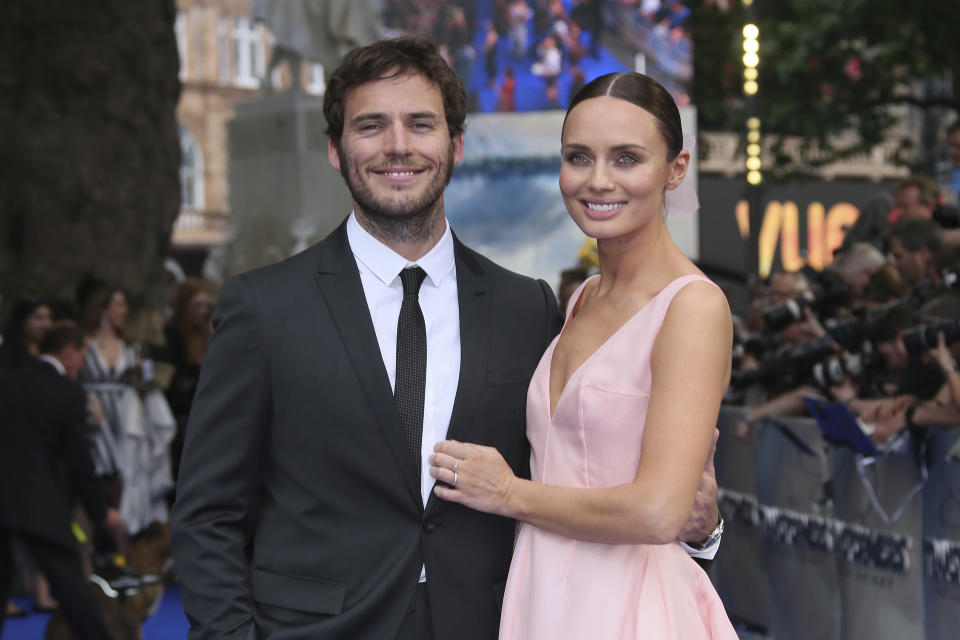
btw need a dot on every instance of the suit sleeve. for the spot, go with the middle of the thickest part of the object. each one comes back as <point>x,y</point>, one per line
<point>554,318</point>
<point>82,474</point>
<point>219,483</point>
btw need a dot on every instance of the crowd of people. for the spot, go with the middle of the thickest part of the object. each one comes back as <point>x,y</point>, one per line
<point>120,404</point>
<point>536,47</point>
<point>879,329</point>
<point>493,48</point>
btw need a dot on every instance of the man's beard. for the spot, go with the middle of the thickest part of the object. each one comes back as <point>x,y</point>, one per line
<point>400,219</point>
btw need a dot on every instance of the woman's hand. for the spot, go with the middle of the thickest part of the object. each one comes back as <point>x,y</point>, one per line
<point>478,476</point>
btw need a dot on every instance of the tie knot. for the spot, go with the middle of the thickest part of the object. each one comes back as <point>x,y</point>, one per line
<point>412,278</point>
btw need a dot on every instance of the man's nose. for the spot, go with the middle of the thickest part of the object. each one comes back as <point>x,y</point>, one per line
<point>399,141</point>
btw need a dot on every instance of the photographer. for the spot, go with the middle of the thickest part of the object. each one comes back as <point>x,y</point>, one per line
<point>938,341</point>
<point>919,198</point>
<point>856,264</point>
<point>912,245</point>
<point>780,357</point>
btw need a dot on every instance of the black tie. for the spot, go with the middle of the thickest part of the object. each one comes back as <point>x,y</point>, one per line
<point>411,377</point>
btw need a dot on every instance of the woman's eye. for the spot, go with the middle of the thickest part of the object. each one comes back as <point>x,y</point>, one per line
<point>576,158</point>
<point>626,158</point>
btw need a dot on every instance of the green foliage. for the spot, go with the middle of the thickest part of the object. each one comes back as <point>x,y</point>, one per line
<point>828,69</point>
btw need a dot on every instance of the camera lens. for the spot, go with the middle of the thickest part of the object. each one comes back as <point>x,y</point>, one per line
<point>783,315</point>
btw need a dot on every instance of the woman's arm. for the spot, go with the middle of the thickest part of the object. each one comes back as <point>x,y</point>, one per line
<point>691,369</point>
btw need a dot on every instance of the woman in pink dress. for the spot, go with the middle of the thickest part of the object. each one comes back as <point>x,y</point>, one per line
<point>622,408</point>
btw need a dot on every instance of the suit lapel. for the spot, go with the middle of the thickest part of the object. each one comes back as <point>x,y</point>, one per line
<point>339,282</point>
<point>474,343</point>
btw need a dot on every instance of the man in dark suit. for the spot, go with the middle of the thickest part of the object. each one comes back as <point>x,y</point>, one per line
<point>304,506</point>
<point>44,462</point>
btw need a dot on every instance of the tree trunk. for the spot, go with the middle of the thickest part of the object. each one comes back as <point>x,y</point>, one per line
<point>89,151</point>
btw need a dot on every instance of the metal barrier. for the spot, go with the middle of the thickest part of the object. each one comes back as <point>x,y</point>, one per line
<point>822,543</point>
<point>941,537</point>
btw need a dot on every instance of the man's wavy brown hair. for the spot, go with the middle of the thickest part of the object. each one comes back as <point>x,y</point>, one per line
<point>386,59</point>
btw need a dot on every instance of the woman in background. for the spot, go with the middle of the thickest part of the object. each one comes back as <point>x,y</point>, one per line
<point>130,450</point>
<point>30,319</point>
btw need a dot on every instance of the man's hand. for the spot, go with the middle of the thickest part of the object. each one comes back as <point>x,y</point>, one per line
<point>872,411</point>
<point>705,514</point>
<point>889,425</point>
<point>942,354</point>
<point>114,523</point>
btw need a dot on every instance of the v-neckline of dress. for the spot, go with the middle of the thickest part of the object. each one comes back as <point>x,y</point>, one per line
<point>551,407</point>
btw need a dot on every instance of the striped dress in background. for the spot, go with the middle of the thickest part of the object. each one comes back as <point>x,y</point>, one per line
<point>133,442</point>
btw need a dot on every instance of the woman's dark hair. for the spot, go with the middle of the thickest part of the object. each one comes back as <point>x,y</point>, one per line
<point>390,59</point>
<point>644,92</point>
<point>97,301</point>
<point>14,351</point>
<point>194,338</point>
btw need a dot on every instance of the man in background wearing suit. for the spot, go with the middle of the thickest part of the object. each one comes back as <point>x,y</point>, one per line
<point>44,454</point>
<point>304,505</point>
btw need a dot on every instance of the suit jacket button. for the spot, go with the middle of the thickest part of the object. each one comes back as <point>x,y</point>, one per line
<point>429,526</point>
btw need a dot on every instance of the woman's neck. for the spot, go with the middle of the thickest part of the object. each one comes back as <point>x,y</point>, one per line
<point>106,334</point>
<point>638,261</point>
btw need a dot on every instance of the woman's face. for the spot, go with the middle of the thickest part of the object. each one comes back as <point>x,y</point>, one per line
<point>614,172</point>
<point>37,323</point>
<point>116,310</point>
<point>198,309</point>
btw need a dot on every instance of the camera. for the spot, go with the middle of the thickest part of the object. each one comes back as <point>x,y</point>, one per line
<point>784,365</point>
<point>947,216</point>
<point>924,338</point>
<point>832,292</point>
<point>834,371</point>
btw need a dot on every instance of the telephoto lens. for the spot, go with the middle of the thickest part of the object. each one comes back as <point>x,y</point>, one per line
<point>783,315</point>
<point>920,339</point>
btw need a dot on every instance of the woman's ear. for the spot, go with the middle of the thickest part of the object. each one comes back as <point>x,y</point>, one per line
<point>678,169</point>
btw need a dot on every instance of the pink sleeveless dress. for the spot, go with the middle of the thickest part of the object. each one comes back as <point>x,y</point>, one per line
<point>560,588</point>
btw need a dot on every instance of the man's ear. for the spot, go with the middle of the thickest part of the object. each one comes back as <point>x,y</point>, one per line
<point>457,148</point>
<point>332,155</point>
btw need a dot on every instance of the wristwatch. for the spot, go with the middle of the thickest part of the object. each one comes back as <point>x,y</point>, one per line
<point>710,540</point>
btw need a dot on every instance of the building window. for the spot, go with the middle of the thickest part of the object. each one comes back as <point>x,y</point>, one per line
<point>248,52</point>
<point>316,85</point>
<point>180,28</point>
<point>191,172</point>
<point>223,51</point>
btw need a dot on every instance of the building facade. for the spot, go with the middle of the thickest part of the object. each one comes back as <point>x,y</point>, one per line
<point>224,54</point>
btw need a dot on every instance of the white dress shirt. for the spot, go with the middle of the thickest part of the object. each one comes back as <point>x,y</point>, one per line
<point>56,364</point>
<point>380,268</point>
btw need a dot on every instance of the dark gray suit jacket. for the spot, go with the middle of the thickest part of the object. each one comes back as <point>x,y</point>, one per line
<point>297,514</point>
<point>44,454</point>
